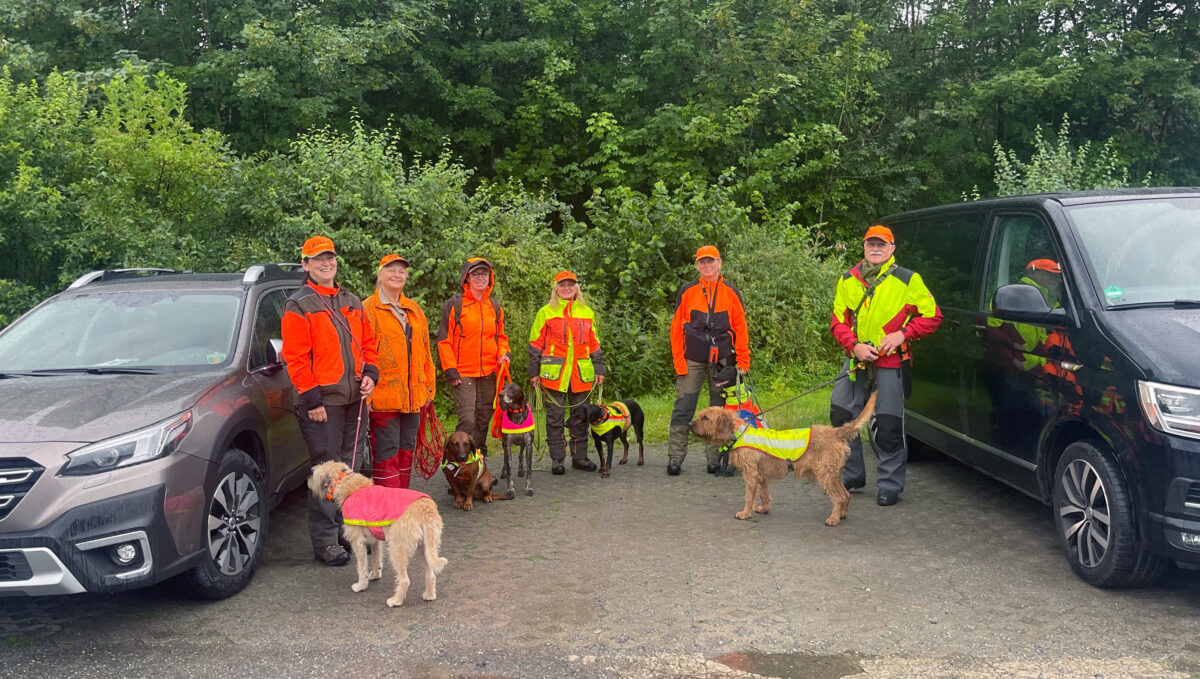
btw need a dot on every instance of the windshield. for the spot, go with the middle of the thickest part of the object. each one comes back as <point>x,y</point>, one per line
<point>1142,252</point>
<point>144,329</point>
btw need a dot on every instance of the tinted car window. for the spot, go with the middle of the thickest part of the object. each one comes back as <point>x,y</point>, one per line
<point>149,329</point>
<point>1018,241</point>
<point>267,319</point>
<point>942,250</point>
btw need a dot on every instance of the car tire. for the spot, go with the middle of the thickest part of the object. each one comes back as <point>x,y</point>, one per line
<point>1094,520</point>
<point>234,530</point>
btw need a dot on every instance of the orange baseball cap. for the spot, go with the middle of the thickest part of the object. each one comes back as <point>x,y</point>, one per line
<point>708,251</point>
<point>881,232</point>
<point>564,275</point>
<point>389,259</point>
<point>316,245</point>
<point>1044,265</point>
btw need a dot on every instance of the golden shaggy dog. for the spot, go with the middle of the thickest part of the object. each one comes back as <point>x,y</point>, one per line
<point>822,462</point>
<point>399,516</point>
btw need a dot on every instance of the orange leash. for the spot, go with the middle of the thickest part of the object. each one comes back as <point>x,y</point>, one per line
<point>502,378</point>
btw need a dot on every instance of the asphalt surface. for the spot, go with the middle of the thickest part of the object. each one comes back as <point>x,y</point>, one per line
<point>645,575</point>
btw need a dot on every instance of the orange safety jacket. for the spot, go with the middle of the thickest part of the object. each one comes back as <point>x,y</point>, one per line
<point>471,339</point>
<point>563,349</point>
<point>328,346</point>
<point>406,376</point>
<point>709,325</point>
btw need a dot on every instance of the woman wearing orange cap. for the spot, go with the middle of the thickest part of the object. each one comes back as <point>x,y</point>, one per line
<point>406,376</point>
<point>565,360</point>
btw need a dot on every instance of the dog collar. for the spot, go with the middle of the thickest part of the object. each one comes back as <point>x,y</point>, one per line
<point>333,488</point>
<point>457,468</point>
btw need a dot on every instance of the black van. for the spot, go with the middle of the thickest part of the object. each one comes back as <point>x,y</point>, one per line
<point>1068,364</point>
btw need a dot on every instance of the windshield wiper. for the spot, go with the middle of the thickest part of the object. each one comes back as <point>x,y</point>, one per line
<point>1186,304</point>
<point>1174,304</point>
<point>98,371</point>
<point>7,375</point>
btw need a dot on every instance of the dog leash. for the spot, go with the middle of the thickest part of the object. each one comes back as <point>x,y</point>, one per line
<point>806,393</point>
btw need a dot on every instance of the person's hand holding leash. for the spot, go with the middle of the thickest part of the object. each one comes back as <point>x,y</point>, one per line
<point>535,381</point>
<point>891,343</point>
<point>367,386</point>
<point>865,352</point>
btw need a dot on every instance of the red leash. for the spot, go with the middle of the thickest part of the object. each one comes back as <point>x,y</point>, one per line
<point>431,441</point>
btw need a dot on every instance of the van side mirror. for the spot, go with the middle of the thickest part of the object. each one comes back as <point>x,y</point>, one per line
<point>1022,302</point>
<point>276,357</point>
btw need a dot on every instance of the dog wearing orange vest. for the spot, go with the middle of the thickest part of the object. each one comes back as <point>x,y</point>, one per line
<point>372,514</point>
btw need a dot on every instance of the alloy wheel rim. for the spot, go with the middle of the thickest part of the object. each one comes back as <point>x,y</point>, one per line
<point>1084,517</point>
<point>234,523</point>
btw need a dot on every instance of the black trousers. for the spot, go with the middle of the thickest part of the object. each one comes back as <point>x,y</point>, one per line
<point>333,439</point>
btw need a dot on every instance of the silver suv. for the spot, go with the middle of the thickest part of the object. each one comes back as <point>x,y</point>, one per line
<point>147,427</point>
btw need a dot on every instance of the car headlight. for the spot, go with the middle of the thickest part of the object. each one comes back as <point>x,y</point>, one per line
<point>133,448</point>
<point>1170,409</point>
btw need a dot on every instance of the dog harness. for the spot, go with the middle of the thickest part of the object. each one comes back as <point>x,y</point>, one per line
<point>785,444</point>
<point>376,507</point>
<point>615,415</point>
<point>510,425</point>
<point>455,468</point>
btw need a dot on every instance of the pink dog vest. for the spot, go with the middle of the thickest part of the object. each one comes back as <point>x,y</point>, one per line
<point>377,506</point>
<point>508,426</point>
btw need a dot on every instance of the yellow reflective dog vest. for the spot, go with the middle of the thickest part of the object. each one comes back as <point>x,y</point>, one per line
<point>615,415</point>
<point>785,444</point>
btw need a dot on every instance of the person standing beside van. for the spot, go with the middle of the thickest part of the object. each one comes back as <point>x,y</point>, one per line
<point>565,361</point>
<point>708,333</point>
<point>879,308</point>
<point>329,350</point>
<point>471,347</point>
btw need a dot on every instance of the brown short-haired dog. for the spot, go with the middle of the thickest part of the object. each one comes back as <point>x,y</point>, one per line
<point>822,461</point>
<point>467,473</point>
<point>407,517</point>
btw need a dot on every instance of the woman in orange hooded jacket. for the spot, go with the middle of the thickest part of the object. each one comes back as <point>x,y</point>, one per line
<point>406,377</point>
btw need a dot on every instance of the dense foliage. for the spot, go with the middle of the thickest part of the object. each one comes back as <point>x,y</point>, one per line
<point>608,138</point>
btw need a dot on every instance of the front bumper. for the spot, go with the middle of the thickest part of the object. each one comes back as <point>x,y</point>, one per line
<point>74,553</point>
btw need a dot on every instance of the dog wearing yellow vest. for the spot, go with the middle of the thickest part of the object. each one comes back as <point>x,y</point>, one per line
<point>818,453</point>
<point>609,423</point>
<point>373,514</point>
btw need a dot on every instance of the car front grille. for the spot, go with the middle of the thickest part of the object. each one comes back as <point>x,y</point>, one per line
<point>17,476</point>
<point>14,567</point>
<point>1192,499</point>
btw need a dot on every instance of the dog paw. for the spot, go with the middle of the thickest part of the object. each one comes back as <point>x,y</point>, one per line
<point>831,521</point>
<point>528,492</point>
<point>604,474</point>
<point>742,515</point>
<point>467,506</point>
<point>623,462</point>
<point>358,586</point>
<point>395,601</point>
<point>641,462</point>
<point>762,510</point>
<point>374,575</point>
<point>429,597</point>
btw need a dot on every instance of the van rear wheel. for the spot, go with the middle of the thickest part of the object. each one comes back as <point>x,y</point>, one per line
<point>1094,518</point>
<point>234,530</point>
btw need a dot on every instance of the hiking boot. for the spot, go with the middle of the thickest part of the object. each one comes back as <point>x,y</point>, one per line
<point>331,555</point>
<point>673,468</point>
<point>584,465</point>
<point>887,498</point>
<point>558,469</point>
<point>855,484</point>
<point>712,468</point>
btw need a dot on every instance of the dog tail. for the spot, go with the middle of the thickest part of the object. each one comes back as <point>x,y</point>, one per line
<point>850,429</point>
<point>431,535</point>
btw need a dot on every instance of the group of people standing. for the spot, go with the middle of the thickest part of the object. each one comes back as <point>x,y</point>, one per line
<point>343,354</point>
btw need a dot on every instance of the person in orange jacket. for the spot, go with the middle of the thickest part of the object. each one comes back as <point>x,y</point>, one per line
<point>407,381</point>
<point>708,332</point>
<point>472,346</point>
<point>329,350</point>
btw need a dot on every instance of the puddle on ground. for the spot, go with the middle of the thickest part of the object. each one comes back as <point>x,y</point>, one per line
<point>793,665</point>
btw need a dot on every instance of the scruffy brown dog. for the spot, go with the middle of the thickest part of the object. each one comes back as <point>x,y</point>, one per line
<point>371,514</point>
<point>822,461</point>
<point>467,473</point>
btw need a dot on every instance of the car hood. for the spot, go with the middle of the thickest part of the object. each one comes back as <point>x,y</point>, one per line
<point>88,408</point>
<point>1162,342</point>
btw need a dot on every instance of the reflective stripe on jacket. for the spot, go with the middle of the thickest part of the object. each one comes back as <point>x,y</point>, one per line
<point>406,376</point>
<point>376,507</point>
<point>899,302</point>
<point>709,316</point>
<point>563,349</point>
<point>471,339</point>
<point>326,355</point>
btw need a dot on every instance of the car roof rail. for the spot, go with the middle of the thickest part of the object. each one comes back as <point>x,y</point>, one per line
<point>113,274</point>
<point>270,272</point>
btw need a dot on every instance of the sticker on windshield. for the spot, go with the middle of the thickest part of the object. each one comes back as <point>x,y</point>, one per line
<point>216,357</point>
<point>1113,292</point>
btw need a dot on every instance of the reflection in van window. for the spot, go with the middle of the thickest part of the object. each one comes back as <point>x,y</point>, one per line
<point>1142,252</point>
<point>144,329</point>
<point>943,251</point>
<point>1019,241</point>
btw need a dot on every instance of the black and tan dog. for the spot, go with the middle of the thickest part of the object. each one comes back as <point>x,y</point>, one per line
<point>818,453</point>
<point>609,423</point>
<point>516,429</point>
<point>467,473</point>
<point>401,517</point>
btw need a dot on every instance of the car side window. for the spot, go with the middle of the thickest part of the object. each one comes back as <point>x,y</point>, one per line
<point>267,319</point>
<point>1022,251</point>
<point>942,250</point>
